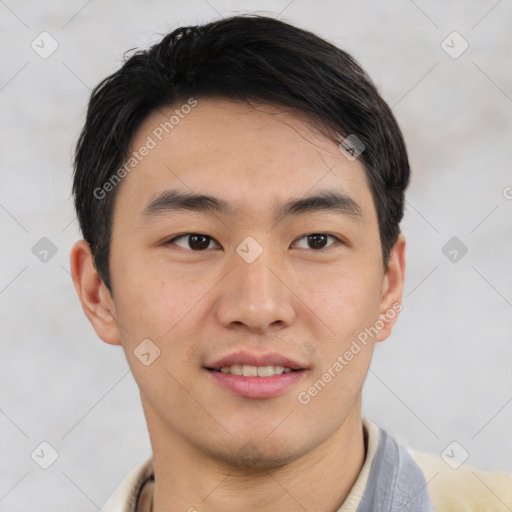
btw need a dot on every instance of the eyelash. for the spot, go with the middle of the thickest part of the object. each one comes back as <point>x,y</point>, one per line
<point>173,240</point>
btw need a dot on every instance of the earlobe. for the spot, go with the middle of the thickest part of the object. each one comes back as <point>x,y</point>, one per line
<point>97,303</point>
<point>392,289</point>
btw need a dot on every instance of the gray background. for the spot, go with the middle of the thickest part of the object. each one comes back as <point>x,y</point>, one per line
<point>444,375</point>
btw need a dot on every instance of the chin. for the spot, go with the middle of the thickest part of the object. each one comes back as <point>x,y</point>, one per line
<point>258,455</point>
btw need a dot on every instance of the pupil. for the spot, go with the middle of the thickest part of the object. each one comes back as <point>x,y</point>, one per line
<point>317,241</point>
<point>198,242</point>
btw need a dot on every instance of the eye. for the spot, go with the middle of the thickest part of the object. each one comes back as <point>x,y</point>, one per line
<point>196,242</point>
<point>316,241</point>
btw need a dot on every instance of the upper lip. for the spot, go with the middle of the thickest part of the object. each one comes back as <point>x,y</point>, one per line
<point>250,358</point>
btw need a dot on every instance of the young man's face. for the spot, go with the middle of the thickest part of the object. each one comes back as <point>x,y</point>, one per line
<point>253,288</point>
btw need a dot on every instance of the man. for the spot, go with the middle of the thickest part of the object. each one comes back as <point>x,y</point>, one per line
<point>240,187</point>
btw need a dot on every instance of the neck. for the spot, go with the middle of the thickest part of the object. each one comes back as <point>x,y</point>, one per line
<point>187,479</point>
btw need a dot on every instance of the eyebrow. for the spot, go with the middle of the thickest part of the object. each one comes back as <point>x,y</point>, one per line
<point>171,201</point>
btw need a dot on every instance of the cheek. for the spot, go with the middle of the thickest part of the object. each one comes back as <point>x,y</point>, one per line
<point>346,302</point>
<point>345,299</point>
<point>162,311</point>
<point>169,313</point>
<point>150,299</point>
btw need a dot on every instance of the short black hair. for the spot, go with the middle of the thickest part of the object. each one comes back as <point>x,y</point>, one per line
<point>244,57</point>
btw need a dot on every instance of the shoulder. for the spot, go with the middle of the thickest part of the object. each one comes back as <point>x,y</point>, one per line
<point>464,489</point>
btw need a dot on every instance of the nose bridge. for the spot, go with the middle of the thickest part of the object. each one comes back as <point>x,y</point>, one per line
<point>256,281</point>
<point>254,294</point>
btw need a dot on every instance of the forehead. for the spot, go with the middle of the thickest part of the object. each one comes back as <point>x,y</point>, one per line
<point>253,157</point>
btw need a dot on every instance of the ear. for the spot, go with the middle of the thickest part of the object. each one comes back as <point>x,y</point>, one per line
<point>392,289</point>
<point>94,296</point>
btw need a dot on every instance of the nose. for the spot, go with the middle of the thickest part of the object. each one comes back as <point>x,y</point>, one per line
<point>256,296</point>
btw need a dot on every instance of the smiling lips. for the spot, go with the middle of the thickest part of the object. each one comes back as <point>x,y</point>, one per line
<point>248,370</point>
<point>256,376</point>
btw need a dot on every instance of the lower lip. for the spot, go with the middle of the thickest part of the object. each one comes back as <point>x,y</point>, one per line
<point>257,387</point>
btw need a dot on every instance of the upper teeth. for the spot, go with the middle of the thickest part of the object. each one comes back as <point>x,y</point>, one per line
<point>254,371</point>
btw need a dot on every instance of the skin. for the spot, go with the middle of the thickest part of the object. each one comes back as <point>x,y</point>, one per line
<point>213,450</point>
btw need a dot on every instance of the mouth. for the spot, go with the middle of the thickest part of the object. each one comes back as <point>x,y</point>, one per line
<point>246,370</point>
<point>256,376</point>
